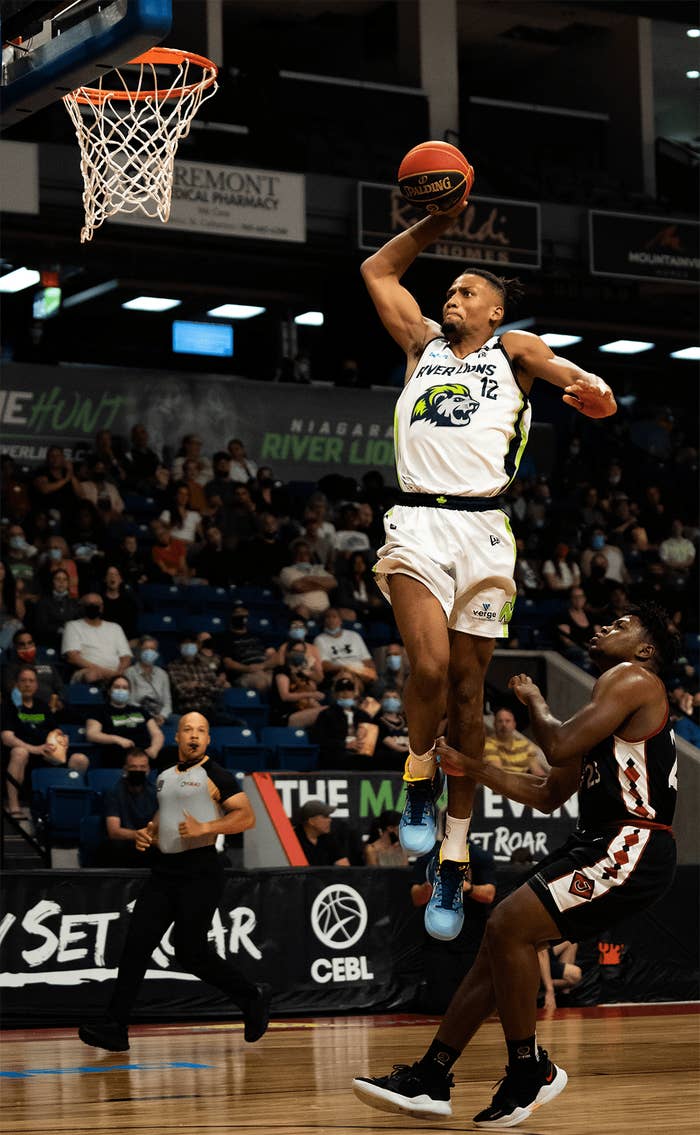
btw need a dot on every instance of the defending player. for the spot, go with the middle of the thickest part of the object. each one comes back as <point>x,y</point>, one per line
<point>620,750</point>
<point>447,565</point>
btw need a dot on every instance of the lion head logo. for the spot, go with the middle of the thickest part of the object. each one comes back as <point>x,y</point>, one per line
<point>447,405</point>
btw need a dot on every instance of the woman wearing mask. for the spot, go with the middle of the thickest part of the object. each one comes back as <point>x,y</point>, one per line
<point>336,730</point>
<point>392,667</point>
<point>298,633</point>
<point>383,848</point>
<point>392,746</point>
<point>120,726</point>
<point>150,687</point>
<point>295,699</point>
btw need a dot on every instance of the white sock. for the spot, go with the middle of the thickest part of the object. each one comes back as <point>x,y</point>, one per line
<point>421,766</point>
<point>454,845</point>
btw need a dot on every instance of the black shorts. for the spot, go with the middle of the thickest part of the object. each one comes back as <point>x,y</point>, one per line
<point>597,878</point>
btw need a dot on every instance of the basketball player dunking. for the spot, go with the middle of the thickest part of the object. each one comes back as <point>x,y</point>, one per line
<point>620,751</point>
<point>447,565</point>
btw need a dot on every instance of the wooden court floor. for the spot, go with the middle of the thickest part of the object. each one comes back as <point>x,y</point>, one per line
<point>631,1069</point>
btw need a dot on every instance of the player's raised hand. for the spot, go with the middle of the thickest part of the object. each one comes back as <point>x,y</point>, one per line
<point>523,687</point>
<point>591,396</point>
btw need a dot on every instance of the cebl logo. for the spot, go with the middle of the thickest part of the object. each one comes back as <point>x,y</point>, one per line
<point>339,919</point>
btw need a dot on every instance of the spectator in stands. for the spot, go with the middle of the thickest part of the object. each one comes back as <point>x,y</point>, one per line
<point>15,498</point>
<point>87,538</point>
<point>101,493</point>
<point>677,553</point>
<point>131,562</point>
<point>120,725</point>
<point>590,513</point>
<point>357,595</point>
<point>240,520</point>
<point>247,661</point>
<point>149,683</point>
<point>539,508</point>
<point>383,848</point>
<point>57,557</point>
<point>141,462</point>
<point>317,505</point>
<point>213,561</point>
<point>23,653</point>
<point>575,629</point>
<point>348,537</point>
<point>510,750</point>
<point>297,633</point>
<point>191,450</point>
<point>219,491</point>
<point>207,649</point>
<point>106,451</point>
<point>28,727</point>
<point>169,554</point>
<point>193,681</point>
<point>618,604</point>
<point>625,528</point>
<point>653,515</point>
<point>392,742</point>
<point>242,469</point>
<point>342,649</point>
<point>269,494</point>
<point>598,542</point>
<point>558,971</point>
<point>515,505</point>
<point>336,728</point>
<point>392,666</point>
<point>295,699</point>
<point>21,558</point>
<point>262,558</point>
<point>561,572</point>
<point>598,587</point>
<point>98,650</point>
<point>321,543</point>
<point>527,573</point>
<point>198,497</point>
<point>12,610</point>
<point>305,585</point>
<point>313,830</point>
<point>119,605</point>
<point>56,482</point>
<point>371,525</point>
<point>54,609</point>
<point>184,522</point>
<point>127,808</point>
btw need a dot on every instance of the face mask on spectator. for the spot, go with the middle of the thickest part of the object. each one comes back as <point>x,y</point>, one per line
<point>16,697</point>
<point>135,776</point>
<point>393,661</point>
<point>297,634</point>
<point>345,703</point>
<point>119,696</point>
<point>598,541</point>
<point>27,653</point>
<point>296,659</point>
<point>92,610</point>
<point>391,705</point>
<point>55,553</point>
<point>149,656</point>
<point>17,542</point>
<point>333,630</point>
<point>188,649</point>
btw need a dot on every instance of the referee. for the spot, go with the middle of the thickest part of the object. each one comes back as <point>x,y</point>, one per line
<point>198,800</point>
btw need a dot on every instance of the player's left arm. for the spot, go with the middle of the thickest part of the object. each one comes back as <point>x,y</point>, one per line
<point>616,696</point>
<point>586,392</point>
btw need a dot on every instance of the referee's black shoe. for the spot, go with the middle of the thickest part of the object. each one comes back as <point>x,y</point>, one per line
<point>256,1015</point>
<point>105,1033</point>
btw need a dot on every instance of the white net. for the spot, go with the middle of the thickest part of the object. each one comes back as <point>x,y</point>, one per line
<point>129,134</point>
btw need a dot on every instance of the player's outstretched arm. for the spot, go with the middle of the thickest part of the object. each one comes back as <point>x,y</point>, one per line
<point>381,272</point>
<point>586,392</point>
<point>545,793</point>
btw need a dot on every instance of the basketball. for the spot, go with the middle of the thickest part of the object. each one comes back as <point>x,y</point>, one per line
<point>435,175</point>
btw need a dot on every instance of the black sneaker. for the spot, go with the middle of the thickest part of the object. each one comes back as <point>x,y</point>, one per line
<point>105,1033</point>
<point>256,1016</point>
<point>407,1091</point>
<point>517,1097</point>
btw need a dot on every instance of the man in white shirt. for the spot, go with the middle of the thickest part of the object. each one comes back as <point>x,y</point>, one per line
<point>150,685</point>
<point>342,649</point>
<point>98,649</point>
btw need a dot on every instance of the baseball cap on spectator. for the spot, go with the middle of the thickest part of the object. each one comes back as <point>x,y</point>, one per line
<point>314,808</point>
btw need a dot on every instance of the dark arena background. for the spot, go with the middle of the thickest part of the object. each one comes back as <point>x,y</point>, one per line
<point>197,437</point>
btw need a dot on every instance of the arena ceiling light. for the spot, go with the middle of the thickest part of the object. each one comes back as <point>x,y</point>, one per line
<point>626,347</point>
<point>690,353</point>
<point>236,311</point>
<point>18,280</point>
<point>150,303</point>
<point>553,339</point>
<point>310,319</point>
<point>693,33</point>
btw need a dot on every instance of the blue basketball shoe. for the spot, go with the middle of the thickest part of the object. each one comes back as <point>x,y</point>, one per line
<point>418,824</point>
<point>444,914</point>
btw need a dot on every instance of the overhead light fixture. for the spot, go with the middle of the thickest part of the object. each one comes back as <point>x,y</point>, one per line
<point>91,293</point>
<point>517,325</point>
<point>236,311</point>
<point>552,339</point>
<point>693,33</point>
<point>690,353</point>
<point>310,319</point>
<point>692,74</point>
<point>20,279</point>
<point>625,347</point>
<point>150,303</point>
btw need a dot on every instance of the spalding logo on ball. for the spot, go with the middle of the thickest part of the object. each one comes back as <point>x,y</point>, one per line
<point>435,175</point>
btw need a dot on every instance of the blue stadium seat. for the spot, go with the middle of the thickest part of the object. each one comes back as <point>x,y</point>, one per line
<point>66,807</point>
<point>247,705</point>
<point>169,729</point>
<point>211,600</point>
<point>157,623</point>
<point>79,693</point>
<point>103,779</point>
<point>138,506</point>
<point>290,748</point>
<point>380,634</point>
<point>213,623</point>
<point>45,778</point>
<point>48,654</point>
<point>92,835</point>
<point>157,596</point>
<point>238,748</point>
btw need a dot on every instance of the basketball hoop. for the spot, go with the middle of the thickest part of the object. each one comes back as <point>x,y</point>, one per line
<point>129,135</point>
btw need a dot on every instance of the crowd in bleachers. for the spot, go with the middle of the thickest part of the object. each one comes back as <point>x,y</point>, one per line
<point>134,590</point>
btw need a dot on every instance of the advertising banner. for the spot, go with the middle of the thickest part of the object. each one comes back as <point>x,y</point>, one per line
<point>264,204</point>
<point>324,939</point>
<point>644,247</point>
<point>491,230</point>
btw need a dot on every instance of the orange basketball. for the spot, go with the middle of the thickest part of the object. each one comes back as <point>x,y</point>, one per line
<point>435,175</point>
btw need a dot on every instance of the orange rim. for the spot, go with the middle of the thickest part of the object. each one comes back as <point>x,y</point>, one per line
<point>170,55</point>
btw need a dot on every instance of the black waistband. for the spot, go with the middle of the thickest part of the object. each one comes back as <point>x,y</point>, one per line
<point>461,504</point>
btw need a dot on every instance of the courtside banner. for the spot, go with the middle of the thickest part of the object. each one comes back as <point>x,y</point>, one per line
<point>325,939</point>
<point>263,204</point>
<point>644,247</point>
<point>491,230</point>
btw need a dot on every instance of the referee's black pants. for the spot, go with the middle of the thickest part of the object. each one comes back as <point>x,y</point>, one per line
<point>185,893</point>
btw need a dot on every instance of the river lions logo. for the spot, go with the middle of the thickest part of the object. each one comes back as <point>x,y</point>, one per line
<point>447,405</point>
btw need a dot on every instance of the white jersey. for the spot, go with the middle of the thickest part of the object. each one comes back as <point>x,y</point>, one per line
<point>460,425</point>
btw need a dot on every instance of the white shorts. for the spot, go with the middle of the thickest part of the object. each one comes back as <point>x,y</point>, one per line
<point>466,559</point>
